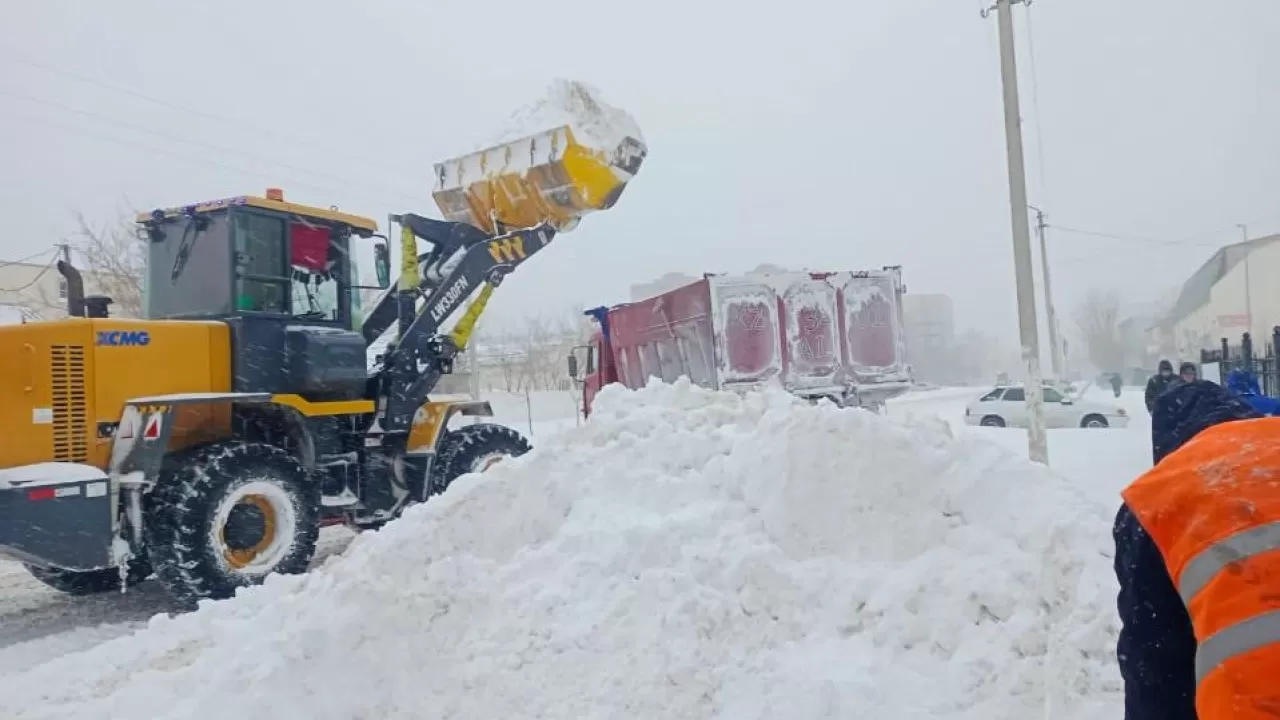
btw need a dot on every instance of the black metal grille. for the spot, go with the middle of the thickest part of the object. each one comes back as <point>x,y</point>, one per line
<point>70,404</point>
<point>1245,356</point>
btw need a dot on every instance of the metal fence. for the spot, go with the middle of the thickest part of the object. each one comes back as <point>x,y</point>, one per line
<point>1247,356</point>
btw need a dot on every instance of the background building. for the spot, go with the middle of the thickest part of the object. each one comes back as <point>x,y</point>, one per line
<point>32,291</point>
<point>931,338</point>
<point>1232,293</point>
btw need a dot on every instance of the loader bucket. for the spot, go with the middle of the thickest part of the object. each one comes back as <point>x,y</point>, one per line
<point>551,176</point>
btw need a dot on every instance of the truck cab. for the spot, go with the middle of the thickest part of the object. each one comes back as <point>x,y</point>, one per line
<point>592,366</point>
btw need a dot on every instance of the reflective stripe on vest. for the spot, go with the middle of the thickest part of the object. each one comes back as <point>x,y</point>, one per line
<point>1215,558</point>
<point>1213,510</point>
<point>1256,632</point>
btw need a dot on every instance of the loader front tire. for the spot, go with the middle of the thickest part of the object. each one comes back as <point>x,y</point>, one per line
<point>90,582</point>
<point>474,448</point>
<point>226,515</point>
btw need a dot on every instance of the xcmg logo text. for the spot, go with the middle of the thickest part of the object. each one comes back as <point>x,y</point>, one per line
<point>124,338</point>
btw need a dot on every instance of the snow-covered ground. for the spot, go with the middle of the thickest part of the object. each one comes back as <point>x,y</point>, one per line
<point>1099,462</point>
<point>765,560</point>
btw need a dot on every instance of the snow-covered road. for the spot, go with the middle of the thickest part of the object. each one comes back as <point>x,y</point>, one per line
<point>38,624</point>
<point>1100,462</point>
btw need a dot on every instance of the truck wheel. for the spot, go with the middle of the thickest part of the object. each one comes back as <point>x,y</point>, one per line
<point>226,515</point>
<point>90,582</point>
<point>474,448</point>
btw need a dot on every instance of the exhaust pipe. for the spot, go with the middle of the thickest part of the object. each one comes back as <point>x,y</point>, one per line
<point>75,288</point>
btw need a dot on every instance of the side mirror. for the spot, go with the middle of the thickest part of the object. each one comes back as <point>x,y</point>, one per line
<point>382,265</point>
<point>572,361</point>
<point>1068,401</point>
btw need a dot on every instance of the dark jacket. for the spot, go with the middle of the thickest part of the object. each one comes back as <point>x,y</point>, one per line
<point>1157,648</point>
<point>1158,384</point>
<point>1245,384</point>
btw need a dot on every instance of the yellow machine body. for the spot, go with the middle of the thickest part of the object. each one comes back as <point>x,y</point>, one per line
<point>548,177</point>
<point>63,384</point>
<point>63,391</point>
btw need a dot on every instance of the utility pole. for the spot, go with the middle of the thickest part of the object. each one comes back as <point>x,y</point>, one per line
<point>1037,441</point>
<point>1055,358</point>
<point>1248,296</point>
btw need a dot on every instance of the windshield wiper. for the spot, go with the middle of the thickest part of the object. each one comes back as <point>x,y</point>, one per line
<point>189,235</point>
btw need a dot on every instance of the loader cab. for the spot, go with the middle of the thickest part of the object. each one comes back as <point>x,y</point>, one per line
<point>252,256</point>
<point>285,277</point>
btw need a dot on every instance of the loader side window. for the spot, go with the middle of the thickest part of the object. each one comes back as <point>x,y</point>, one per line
<point>262,280</point>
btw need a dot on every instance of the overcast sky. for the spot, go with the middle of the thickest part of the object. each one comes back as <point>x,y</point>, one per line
<point>828,134</point>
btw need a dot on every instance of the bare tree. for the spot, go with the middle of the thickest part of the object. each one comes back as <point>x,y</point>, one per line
<point>1098,319</point>
<point>529,355</point>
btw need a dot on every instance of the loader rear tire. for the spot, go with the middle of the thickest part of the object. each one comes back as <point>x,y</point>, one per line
<point>474,448</point>
<point>90,582</point>
<point>226,515</point>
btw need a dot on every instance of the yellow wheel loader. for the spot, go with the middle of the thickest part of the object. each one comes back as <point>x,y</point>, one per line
<point>209,442</point>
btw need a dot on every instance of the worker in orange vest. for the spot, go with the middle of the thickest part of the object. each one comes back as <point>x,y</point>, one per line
<point>1198,560</point>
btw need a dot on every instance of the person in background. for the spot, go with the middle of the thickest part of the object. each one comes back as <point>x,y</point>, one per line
<point>1187,372</point>
<point>1117,383</point>
<point>1199,575</point>
<point>1159,382</point>
<point>1245,385</point>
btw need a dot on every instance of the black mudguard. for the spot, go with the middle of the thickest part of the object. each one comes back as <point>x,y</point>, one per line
<point>56,516</point>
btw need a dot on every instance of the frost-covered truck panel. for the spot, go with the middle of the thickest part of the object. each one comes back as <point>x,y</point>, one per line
<point>837,335</point>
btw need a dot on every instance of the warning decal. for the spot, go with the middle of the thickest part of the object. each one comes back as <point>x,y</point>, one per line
<point>152,431</point>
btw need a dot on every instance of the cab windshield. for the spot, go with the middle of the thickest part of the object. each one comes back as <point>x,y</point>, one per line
<point>188,267</point>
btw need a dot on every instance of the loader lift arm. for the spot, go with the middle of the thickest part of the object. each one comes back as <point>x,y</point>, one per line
<point>446,238</point>
<point>402,386</point>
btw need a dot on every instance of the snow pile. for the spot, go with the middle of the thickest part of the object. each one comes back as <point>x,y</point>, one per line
<point>686,554</point>
<point>594,122</point>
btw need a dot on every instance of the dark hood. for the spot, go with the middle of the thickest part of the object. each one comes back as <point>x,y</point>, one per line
<point>1165,366</point>
<point>1183,411</point>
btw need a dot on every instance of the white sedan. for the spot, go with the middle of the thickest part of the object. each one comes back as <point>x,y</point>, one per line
<point>1006,407</point>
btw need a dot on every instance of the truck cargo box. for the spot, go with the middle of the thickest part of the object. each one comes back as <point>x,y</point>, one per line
<point>837,335</point>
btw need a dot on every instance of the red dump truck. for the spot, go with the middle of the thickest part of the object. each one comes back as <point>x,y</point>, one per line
<point>836,335</point>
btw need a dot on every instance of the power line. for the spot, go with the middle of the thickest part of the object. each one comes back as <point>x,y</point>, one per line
<point>1132,238</point>
<point>199,159</point>
<point>25,260</point>
<point>182,108</point>
<point>34,280</point>
<point>1035,105</point>
<point>193,141</point>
